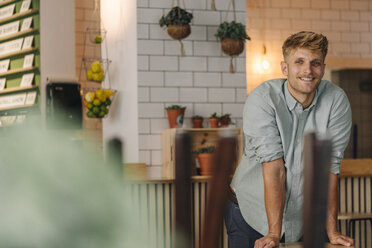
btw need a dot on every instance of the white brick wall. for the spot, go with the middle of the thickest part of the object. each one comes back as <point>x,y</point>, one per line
<point>201,80</point>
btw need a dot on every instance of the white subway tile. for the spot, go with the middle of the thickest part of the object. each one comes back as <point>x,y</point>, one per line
<point>198,33</point>
<point>143,31</point>
<point>359,26</point>
<point>164,94</point>
<point>239,63</point>
<point>212,30</point>
<point>150,110</point>
<point>239,123</point>
<point>347,15</point>
<point>321,25</point>
<point>193,63</point>
<point>226,5</point>
<point>145,15</point>
<point>221,64</point>
<point>156,157</point>
<point>150,47</point>
<point>145,157</point>
<point>143,62</point>
<point>143,126</point>
<point>207,109</point>
<point>362,48</point>
<point>142,3</point>
<point>234,80</point>
<point>158,33</point>
<point>340,4</point>
<point>350,37</point>
<point>143,94</point>
<point>206,17</point>
<point>207,79</point>
<point>204,48</point>
<point>164,63</point>
<point>154,171</point>
<point>241,95</point>
<point>162,4</point>
<point>149,78</point>
<point>178,78</point>
<point>340,25</point>
<point>366,37</point>
<point>235,109</point>
<point>173,47</point>
<point>159,124</point>
<point>200,5</point>
<point>221,95</point>
<point>240,17</point>
<point>365,16</point>
<point>193,95</point>
<point>358,5</point>
<point>149,142</point>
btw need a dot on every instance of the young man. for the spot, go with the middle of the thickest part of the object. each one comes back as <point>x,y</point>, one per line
<point>268,182</point>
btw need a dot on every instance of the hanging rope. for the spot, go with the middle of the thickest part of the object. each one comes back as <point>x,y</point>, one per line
<point>178,3</point>
<point>231,65</point>
<point>213,5</point>
<point>182,48</point>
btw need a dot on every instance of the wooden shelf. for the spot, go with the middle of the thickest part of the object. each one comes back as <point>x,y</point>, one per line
<point>19,110</point>
<point>8,2</point>
<point>18,89</point>
<point>18,34</point>
<point>19,15</point>
<point>15,71</point>
<point>24,51</point>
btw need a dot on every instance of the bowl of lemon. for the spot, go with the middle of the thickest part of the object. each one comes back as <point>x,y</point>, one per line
<point>97,102</point>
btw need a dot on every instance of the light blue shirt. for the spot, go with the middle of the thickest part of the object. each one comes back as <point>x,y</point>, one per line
<point>274,124</point>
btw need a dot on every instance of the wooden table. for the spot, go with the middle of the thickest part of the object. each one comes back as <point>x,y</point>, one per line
<point>299,245</point>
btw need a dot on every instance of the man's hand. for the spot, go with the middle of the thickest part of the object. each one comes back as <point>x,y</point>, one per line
<point>269,241</point>
<point>337,238</point>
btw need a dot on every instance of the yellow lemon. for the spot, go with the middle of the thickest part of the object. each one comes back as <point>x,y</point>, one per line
<point>96,77</point>
<point>90,75</point>
<point>96,66</point>
<point>90,96</point>
<point>100,76</point>
<point>108,92</point>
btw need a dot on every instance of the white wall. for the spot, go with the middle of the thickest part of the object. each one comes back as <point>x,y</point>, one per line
<point>119,19</point>
<point>57,42</point>
<point>200,81</point>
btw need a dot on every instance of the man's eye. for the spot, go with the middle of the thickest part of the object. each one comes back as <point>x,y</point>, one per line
<point>298,61</point>
<point>315,63</point>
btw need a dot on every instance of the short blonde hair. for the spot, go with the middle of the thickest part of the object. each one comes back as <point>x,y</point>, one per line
<point>305,39</point>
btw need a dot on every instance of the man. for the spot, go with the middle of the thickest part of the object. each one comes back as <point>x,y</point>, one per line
<point>268,182</point>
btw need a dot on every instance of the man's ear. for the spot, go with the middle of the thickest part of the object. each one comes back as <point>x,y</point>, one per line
<point>284,67</point>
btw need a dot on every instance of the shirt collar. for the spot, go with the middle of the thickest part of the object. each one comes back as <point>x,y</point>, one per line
<point>291,102</point>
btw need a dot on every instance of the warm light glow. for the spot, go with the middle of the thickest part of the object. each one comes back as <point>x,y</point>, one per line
<point>265,64</point>
<point>262,65</point>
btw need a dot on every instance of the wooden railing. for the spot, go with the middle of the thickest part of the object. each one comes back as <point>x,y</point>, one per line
<point>154,201</point>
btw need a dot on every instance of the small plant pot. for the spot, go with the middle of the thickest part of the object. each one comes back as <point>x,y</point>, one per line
<point>232,47</point>
<point>197,123</point>
<point>179,32</point>
<point>224,122</point>
<point>213,122</point>
<point>175,117</point>
<point>206,163</point>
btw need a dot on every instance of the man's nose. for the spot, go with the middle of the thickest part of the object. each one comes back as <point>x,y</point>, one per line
<point>307,68</point>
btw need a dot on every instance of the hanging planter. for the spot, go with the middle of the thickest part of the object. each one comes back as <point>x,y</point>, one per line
<point>97,102</point>
<point>177,22</point>
<point>232,36</point>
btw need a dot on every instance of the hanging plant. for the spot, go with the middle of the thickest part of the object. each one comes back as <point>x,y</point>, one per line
<point>177,21</point>
<point>232,36</point>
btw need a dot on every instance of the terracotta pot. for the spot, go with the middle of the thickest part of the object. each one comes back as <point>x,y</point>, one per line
<point>213,122</point>
<point>224,122</point>
<point>175,117</point>
<point>206,163</point>
<point>232,47</point>
<point>197,123</point>
<point>179,32</point>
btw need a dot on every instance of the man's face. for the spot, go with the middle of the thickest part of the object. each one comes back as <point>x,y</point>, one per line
<point>304,69</point>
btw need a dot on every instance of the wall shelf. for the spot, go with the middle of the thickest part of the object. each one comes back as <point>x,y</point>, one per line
<point>19,15</point>
<point>19,110</point>
<point>3,3</point>
<point>18,34</point>
<point>15,71</point>
<point>18,89</point>
<point>21,52</point>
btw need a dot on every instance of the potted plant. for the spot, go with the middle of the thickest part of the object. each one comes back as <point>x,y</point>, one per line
<point>205,159</point>
<point>225,120</point>
<point>177,21</point>
<point>197,121</point>
<point>232,36</point>
<point>175,115</point>
<point>214,120</point>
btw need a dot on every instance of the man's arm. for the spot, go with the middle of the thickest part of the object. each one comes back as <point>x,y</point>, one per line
<point>334,236</point>
<point>274,185</point>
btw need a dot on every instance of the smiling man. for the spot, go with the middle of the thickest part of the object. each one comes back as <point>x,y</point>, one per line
<point>266,203</point>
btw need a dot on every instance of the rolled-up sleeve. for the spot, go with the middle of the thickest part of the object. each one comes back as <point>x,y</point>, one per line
<point>261,130</point>
<point>339,127</point>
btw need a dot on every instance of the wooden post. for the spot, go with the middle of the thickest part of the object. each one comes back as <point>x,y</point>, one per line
<point>317,154</point>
